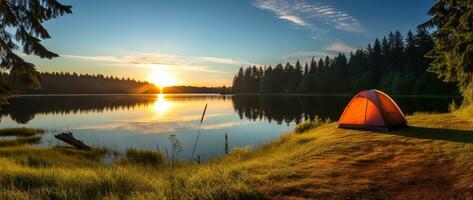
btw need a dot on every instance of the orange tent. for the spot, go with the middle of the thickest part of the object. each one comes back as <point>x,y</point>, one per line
<point>372,109</point>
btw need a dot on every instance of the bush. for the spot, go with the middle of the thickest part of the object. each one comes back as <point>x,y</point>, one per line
<point>145,157</point>
<point>310,124</point>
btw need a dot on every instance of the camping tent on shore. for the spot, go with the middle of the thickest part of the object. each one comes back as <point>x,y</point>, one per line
<point>372,109</point>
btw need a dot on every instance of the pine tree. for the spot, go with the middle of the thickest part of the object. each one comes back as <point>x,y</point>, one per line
<point>396,51</point>
<point>313,66</point>
<point>410,54</point>
<point>453,36</point>
<point>321,65</point>
<point>377,64</point>
<point>21,21</point>
<point>306,70</point>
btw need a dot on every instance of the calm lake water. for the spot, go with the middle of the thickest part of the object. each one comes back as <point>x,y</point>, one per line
<point>146,121</point>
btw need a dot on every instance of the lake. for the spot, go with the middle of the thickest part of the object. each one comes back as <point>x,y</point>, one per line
<point>120,122</point>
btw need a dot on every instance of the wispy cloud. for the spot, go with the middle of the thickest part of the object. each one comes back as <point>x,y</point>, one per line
<point>318,18</point>
<point>305,55</point>
<point>339,47</point>
<point>294,19</point>
<point>189,63</point>
<point>225,125</point>
<point>330,50</point>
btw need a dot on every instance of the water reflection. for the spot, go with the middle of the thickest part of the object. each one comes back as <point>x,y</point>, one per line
<point>280,109</point>
<point>161,105</point>
<point>287,109</point>
<point>22,109</point>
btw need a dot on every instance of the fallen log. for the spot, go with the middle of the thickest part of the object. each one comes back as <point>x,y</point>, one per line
<point>69,139</point>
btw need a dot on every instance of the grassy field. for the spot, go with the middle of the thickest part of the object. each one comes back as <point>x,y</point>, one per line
<point>430,160</point>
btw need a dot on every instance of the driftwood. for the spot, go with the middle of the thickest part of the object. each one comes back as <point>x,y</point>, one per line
<point>69,139</point>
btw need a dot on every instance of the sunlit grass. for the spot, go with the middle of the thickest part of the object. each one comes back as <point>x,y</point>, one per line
<point>429,159</point>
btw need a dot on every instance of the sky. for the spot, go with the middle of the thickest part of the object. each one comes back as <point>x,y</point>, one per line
<point>204,43</point>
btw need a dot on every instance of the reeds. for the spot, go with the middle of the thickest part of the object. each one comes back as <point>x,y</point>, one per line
<point>198,133</point>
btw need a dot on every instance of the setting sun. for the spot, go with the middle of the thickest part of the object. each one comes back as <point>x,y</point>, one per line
<point>161,76</point>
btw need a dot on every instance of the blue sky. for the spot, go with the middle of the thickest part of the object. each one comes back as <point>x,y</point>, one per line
<point>205,42</point>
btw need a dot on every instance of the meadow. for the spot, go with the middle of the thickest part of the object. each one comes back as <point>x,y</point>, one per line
<point>429,159</point>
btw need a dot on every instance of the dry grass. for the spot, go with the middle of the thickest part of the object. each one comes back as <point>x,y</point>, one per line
<point>429,160</point>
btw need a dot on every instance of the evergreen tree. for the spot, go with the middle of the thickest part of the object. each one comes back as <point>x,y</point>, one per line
<point>306,70</point>
<point>453,36</point>
<point>21,21</point>
<point>410,54</point>
<point>377,56</point>
<point>321,65</point>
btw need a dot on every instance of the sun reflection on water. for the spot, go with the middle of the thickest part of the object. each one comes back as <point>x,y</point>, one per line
<point>161,106</point>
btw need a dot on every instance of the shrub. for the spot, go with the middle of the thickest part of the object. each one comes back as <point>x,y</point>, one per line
<point>145,157</point>
<point>310,124</point>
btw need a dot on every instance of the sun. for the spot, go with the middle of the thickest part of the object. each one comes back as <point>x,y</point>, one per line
<point>161,76</point>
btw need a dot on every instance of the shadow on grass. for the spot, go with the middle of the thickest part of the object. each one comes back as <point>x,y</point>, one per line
<point>452,135</point>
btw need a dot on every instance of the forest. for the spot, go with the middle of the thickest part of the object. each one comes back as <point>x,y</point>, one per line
<point>393,64</point>
<point>73,83</point>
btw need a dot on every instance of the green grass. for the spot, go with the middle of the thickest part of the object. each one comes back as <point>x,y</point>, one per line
<point>143,157</point>
<point>21,136</point>
<point>430,159</point>
<point>20,131</point>
<point>310,124</point>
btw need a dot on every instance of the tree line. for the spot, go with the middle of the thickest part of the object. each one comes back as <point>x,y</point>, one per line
<point>73,83</point>
<point>394,64</point>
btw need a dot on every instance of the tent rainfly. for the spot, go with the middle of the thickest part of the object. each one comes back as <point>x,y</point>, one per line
<point>372,109</point>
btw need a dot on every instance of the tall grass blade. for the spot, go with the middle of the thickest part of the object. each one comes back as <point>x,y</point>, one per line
<point>198,133</point>
<point>203,114</point>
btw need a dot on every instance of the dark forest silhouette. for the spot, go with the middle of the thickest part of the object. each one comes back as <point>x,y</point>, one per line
<point>393,64</point>
<point>73,83</point>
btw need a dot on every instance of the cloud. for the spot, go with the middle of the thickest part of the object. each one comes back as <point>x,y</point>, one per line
<point>95,58</point>
<point>224,125</point>
<point>330,50</point>
<point>304,55</point>
<point>293,19</point>
<point>340,47</point>
<point>318,18</point>
<point>187,63</point>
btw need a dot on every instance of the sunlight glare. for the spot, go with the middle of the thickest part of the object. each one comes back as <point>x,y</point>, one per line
<point>161,76</point>
<point>161,106</point>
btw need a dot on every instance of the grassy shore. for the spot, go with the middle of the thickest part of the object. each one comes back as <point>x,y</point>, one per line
<point>431,159</point>
<point>19,136</point>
